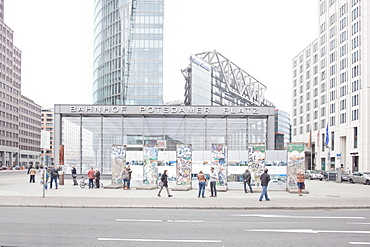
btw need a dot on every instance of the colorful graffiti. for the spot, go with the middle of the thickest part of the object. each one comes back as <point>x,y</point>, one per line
<point>219,162</point>
<point>118,162</point>
<point>295,163</point>
<point>150,167</point>
<point>183,164</point>
<point>256,162</point>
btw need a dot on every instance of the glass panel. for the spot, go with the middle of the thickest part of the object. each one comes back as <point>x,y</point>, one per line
<point>237,134</point>
<point>112,134</point>
<point>91,142</point>
<point>71,142</point>
<point>175,132</point>
<point>195,130</point>
<point>216,131</point>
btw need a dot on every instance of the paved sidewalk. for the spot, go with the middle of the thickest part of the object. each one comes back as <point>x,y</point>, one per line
<point>15,191</point>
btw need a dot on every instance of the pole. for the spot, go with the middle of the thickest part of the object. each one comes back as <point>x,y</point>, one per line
<point>43,182</point>
<point>328,160</point>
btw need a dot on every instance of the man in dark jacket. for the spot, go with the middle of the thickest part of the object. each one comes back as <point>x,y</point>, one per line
<point>247,180</point>
<point>265,179</point>
<point>54,177</point>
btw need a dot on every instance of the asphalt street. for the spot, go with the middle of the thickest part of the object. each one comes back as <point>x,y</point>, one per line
<point>36,226</point>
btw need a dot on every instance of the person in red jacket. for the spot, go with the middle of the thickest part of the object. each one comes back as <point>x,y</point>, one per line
<point>90,175</point>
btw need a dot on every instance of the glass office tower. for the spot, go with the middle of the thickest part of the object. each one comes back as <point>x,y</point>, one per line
<point>128,52</point>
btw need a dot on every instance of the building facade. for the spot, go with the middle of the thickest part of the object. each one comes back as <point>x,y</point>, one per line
<point>128,52</point>
<point>20,128</point>
<point>47,125</point>
<point>331,88</point>
<point>282,129</point>
<point>212,79</point>
<point>29,132</point>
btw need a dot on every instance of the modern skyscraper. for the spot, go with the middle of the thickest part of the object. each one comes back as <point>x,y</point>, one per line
<point>331,88</point>
<point>128,52</point>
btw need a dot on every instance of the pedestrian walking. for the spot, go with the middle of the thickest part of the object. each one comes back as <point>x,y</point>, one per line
<point>164,183</point>
<point>247,181</point>
<point>124,178</point>
<point>129,171</point>
<point>212,181</point>
<point>202,180</point>
<point>54,177</point>
<point>300,182</point>
<point>90,175</point>
<point>32,174</point>
<point>265,179</point>
<point>97,178</point>
<point>74,175</point>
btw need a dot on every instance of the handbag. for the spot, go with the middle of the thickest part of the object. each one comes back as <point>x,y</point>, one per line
<point>161,184</point>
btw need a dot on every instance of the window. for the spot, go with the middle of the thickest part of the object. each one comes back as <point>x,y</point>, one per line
<point>355,71</point>
<point>355,86</point>
<point>355,137</point>
<point>332,138</point>
<point>343,50</point>
<point>323,99</point>
<point>332,108</point>
<point>332,95</point>
<point>355,28</point>
<point>343,104</point>
<point>322,8</point>
<point>355,42</point>
<point>355,115</point>
<point>343,37</point>
<point>355,100</point>
<point>343,23</point>
<point>343,118</point>
<point>323,111</point>
<point>354,14</point>
<point>355,57</point>
<point>332,120</point>
<point>343,90</point>
<point>343,10</point>
<point>343,63</point>
<point>322,27</point>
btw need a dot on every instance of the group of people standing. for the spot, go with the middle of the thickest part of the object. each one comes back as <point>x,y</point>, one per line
<point>92,175</point>
<point>126,177</point>
<point>49,173</point>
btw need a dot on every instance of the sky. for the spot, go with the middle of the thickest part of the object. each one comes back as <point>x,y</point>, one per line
<point>261,37</point>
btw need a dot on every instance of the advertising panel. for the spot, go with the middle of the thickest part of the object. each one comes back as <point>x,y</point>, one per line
<point>183,164</point>
<point>118,163</point>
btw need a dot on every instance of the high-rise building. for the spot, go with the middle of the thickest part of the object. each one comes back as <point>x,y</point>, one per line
<point>19,116</point>
<point>47,125</point>
<point>331,88</point>
<point>282,129</point>
<point>128,52</point>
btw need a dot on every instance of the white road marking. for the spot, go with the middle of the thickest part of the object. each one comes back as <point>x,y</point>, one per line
<point>160,240</point>
<point>352,223</point>
<point>359,243</point>
<point>306,231</point>
<point>295,216</point>
<point>175,221</point>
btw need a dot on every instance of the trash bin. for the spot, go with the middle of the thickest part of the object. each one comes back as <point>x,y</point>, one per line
<point>61,177</point>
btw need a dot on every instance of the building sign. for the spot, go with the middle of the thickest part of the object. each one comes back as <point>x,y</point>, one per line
<point>165,110</point>
<point>201,64</point>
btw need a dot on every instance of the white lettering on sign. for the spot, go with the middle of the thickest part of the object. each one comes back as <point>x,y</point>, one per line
<point>98,109</point>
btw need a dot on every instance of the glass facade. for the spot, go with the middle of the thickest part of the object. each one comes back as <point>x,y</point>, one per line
<point>128,52</point>
<point>88,138</point>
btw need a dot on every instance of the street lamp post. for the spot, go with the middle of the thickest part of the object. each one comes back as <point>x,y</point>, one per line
<point>328,163</point>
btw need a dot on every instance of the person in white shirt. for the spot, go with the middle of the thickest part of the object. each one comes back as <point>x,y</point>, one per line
<point>212,181</point>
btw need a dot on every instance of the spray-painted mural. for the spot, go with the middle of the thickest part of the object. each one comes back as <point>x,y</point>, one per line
<point>256,162</point>
<point>150,167</point>
<point>183,163</point>
<point>295,163</point>
<point>118,162</point>
<point>219,162</point>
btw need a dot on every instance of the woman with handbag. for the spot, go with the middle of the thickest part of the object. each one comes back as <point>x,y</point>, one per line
<point>202,180</point>
<point>300,182</point>
<point>164,183</point>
